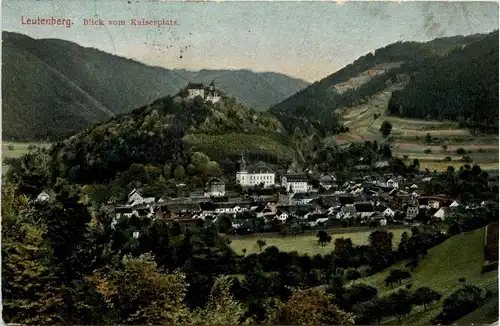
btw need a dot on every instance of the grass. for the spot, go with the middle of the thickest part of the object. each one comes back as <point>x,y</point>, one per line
<point>305,244</point>
<point>409,134</point>
<point>15,149</point>
<point>459,256</point>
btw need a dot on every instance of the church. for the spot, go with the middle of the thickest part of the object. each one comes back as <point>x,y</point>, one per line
<point>212,94</point>
<point>253,175</point>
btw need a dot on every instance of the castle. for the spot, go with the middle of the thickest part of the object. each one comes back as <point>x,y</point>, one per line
<point>211,95</point>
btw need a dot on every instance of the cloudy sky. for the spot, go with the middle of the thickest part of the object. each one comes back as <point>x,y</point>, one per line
<point>309,40</point>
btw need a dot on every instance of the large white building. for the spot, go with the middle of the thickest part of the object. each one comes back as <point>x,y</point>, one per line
<point>296,183</point>
<point>254,175</point>
<point>199,90</point>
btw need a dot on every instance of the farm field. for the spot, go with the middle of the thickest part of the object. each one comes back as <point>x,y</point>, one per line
<point>408,136</point>
<point>15,149</point>
<point>459,256</point>
<point>306,244</point>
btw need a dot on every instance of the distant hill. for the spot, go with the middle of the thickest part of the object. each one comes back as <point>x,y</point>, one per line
<point>53,87</point>
<point>375,72</point>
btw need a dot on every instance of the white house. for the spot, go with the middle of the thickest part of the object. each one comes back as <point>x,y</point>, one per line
<point>281,216</point>
<point>392,184</point>
<point>195,90</point>
<point>296,183</point>
<point>388,212</point>
<point>215,188</point>
<point>454,204</point>
<point>412,212</point>
<point>43,196</point>
<point>135,198</point>
<point>255,175</point>
<point>442,213</point>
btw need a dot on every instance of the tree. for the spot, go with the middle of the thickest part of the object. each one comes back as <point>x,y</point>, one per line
<point>352,274</point>
<point>385,128</point>
<point>30,291</point>
<point>343,246</point>
<point>445,147</point>
<point>261,244</point>
<point>396,275</point>
<point>381,240</point>
<point>368,311</point>
<point>179,173</point>
<point>424,296</point>
<point>323,237</point>
<point>140,293</point>
<point>221,308</point>
<point>311,306</point>
<point>460,303</point>
<point>400,304</point>
<point>428,138</point>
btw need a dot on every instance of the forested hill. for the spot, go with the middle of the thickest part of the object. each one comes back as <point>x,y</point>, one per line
<point>463,86</point>
<point>53,87</point>
<point>363,78</point>
<point>167,131</point>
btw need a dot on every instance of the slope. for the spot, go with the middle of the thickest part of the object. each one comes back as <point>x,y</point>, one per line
<point>53,87</point>
<point>362,79</point>
<point>460,256</point>
<point>409,138</point>
<point>167,131</point>
<point>463,87</point>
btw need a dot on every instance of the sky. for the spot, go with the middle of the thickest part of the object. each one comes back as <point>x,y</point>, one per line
<point>306,39</point>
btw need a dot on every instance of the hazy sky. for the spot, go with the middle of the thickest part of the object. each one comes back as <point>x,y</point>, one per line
<point>309,40</point>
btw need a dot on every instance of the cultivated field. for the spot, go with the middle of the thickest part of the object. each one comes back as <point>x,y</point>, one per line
<point>408,136</point>
<point>305,244</point>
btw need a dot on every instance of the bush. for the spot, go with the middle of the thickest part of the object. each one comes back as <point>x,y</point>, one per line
<point>460,303</point>
<point>461,151</point>
<point>428,151</point>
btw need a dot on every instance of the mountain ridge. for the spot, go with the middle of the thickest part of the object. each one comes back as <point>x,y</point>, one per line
<point>117,83</point>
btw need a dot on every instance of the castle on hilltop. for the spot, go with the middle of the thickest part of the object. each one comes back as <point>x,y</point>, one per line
<point>212,94</point>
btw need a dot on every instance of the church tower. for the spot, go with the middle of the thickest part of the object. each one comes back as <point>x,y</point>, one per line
<point>243,164</point>
<point>212,86</point>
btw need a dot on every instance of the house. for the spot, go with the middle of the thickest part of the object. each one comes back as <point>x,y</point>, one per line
<point>42,197</point>
<point>195,90</point>
<point>281,215</point>
<point>255,175</point>
<point>454,204</point>
<point>411,212</point>
<point>295,183</point>
<point>215,188</point>
<point>328,181</point>
<point>302,198</point>
<point>388,212</point>
<point>442,213</point>
<point>364,210</point>
<point>135,198</point>
<point>392,184</point>
<point>198,89</point>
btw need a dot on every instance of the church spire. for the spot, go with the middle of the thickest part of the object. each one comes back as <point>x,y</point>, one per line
<point>243,164</point>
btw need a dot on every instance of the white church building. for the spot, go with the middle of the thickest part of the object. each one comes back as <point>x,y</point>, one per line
<point>253,175</point>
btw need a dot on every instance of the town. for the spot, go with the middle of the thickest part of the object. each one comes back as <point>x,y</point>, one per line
<point>298,202</point>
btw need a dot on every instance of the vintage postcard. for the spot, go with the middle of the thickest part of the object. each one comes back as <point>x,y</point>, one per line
<point>250,162</point>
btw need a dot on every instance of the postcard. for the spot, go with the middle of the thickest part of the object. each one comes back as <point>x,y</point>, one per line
<point>250,162</point>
